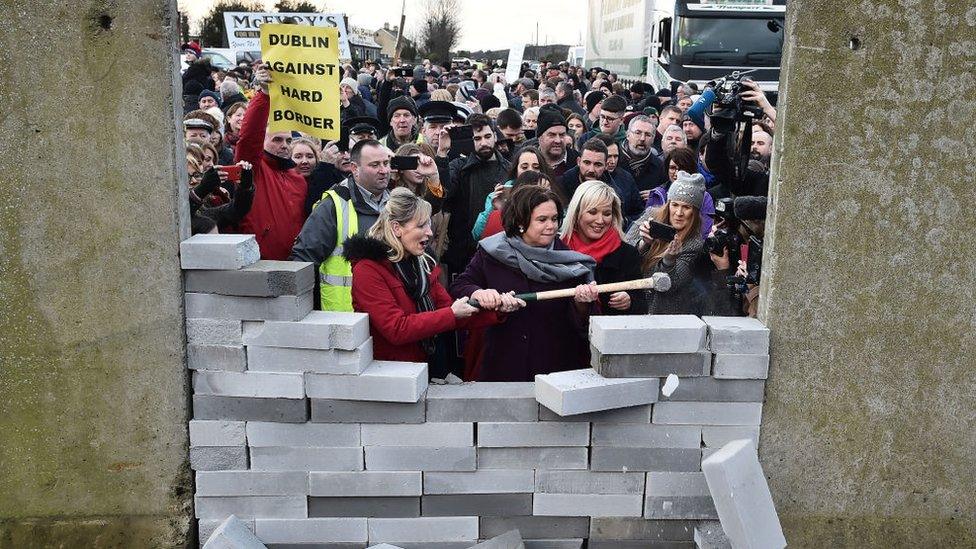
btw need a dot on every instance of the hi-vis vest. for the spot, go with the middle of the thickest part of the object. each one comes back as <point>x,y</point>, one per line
<point>335,273</point>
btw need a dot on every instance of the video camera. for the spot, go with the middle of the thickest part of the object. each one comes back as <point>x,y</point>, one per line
<point>740,284</point>
<point>729,238</point>
<point>726,238</point>
<point>729,105</point>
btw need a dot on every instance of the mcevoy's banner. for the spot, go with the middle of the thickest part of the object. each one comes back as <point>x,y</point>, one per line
<point>244,28</point>
<point>304,88</point>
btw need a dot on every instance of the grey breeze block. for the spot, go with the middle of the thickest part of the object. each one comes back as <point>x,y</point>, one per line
<point>219,251</point>
<point>737,335</point>
<point>581,391</point>
<point>482,401</point>
<point>318,330</point>
<point>643,334</point>
<point>745,506</point>
<point>230,307</point>
<point>650,365</point>
<point>262,279</point>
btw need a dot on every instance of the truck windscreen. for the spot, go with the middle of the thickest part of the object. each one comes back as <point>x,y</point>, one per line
<point>724,42</point>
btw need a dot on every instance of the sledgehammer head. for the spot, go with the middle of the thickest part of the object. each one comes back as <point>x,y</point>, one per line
<point>662,282</point>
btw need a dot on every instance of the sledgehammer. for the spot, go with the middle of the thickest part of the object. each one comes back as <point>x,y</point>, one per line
<point>658,281</point>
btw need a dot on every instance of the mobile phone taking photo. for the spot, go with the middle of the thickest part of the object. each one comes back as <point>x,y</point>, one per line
<point>662,231</point>
<point>403,163</point>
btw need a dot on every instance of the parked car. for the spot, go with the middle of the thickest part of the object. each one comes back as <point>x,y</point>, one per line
<point>218,58</point>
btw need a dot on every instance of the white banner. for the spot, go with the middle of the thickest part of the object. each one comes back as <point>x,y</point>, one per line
<point>514,62</point>
<point>244,27</point>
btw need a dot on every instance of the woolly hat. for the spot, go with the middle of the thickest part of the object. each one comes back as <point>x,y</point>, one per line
<point>463,112</point>
<point>218,116</point>
<point>750,208</point>
<point>593,98</point>
<point>467,89</point>
<point>401,103</point>
<point>701,126</point>
<point>489,102</point>
<point>688,188</point>
<point>419,84</point>
<point>352,83</point>
<point>548,117</point>
<point>614,103</point>
<point>208,93</point>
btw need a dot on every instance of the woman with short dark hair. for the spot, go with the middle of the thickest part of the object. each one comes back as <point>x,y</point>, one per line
<point>546,336</point>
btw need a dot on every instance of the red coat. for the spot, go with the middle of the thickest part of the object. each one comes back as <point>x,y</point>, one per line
<point>396,326</point>
<point>278,211</point>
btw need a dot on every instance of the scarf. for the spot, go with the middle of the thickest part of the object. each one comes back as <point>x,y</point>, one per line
<point>633,158</point>
<point>415,282</point>
<point>599,249</point>
<point>538,264</point>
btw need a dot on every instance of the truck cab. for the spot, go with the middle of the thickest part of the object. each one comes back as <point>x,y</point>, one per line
<point>703,40</point>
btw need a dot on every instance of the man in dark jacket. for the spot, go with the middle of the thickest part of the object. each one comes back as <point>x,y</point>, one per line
<point>566,100</point>
<point>551,141</point>
<point>622,182</point>
<point>402,117</point>
<point>611,121</point>
<point>470,179</point>
<point>590,166</point>
<point>638,156</point>
<point>418,92</point>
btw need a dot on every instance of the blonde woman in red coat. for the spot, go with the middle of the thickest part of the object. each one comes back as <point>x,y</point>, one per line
<point>396,283</point>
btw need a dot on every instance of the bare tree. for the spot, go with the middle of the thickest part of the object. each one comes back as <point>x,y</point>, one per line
<point>212,33</point>
<point>296,6</point>
<point>441,30</point>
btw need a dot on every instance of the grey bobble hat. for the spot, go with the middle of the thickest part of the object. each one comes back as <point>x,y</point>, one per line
<point>688,188</point>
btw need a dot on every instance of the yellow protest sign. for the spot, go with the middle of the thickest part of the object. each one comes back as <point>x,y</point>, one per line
<point>304,89</point>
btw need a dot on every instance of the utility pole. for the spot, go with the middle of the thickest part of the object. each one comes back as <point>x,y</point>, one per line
<point>398,46</point>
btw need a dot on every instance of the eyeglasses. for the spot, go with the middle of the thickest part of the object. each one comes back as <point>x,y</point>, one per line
<point>196,175</point>
<point>606,118</point>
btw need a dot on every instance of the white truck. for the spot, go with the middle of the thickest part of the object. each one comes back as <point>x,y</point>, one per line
<point>658,41</point>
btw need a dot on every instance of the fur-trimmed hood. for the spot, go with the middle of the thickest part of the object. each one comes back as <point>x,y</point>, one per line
<point>360,247</point>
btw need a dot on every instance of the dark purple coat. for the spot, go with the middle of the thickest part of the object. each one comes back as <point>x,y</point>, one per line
<point>546,336</point>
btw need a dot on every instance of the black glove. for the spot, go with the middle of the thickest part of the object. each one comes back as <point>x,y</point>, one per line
<point>247,179</point>
<point>209,184</point>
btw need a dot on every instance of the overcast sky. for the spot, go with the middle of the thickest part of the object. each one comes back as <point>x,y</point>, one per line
<point>486,24</point>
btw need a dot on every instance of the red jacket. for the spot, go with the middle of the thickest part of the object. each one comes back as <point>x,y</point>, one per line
<point>396,326</point>
<point>278,211</point>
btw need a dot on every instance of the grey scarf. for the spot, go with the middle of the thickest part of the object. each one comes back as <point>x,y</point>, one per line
<point>634,159</point>
<point>539,264</point>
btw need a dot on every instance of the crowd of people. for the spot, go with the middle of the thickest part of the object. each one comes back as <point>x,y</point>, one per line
<point>450,192</point>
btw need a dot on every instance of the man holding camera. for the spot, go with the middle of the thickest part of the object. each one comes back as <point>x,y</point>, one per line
<point>738,221</point>
<point>730,117</point>
<point>469,180</point>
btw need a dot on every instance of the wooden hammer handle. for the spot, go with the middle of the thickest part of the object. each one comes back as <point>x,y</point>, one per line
<point>639,284</point>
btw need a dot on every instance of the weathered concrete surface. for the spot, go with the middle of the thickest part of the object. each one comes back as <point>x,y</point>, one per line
<point>869,428</point>
<point>93,404</point>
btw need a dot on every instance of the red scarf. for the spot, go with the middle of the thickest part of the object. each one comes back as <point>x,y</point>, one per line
<point>609,242</point>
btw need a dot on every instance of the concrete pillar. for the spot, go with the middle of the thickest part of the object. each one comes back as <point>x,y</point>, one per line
<point>869,429</point>
<point>93,388</point>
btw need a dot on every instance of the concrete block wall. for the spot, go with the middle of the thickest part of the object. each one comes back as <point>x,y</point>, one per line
<point>301,434</point>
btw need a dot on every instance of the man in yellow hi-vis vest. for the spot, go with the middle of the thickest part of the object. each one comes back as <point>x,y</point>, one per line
<point>348,208</point>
